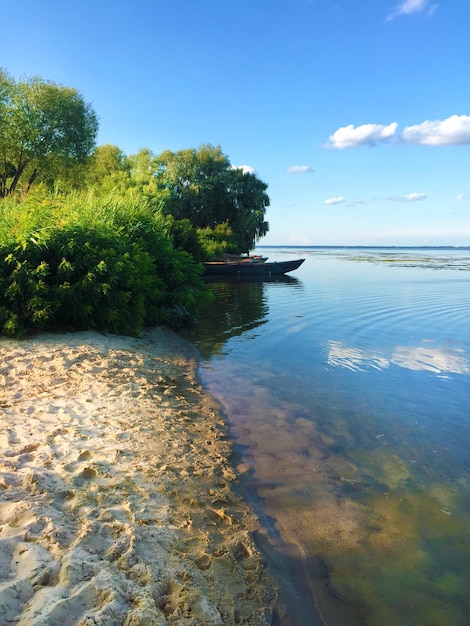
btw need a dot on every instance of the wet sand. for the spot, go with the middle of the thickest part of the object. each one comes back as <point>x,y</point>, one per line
<point>118,503</point>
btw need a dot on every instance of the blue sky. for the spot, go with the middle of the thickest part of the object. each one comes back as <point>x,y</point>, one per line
<point>356,113</point>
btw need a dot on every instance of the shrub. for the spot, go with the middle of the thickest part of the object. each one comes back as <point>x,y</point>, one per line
<point>101,265</point>
<point>75,279</point>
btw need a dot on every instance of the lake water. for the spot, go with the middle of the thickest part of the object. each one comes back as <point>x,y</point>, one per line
<point>346,387</point>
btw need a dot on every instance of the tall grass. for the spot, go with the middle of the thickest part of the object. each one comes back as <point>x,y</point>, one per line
<point>40,210</point>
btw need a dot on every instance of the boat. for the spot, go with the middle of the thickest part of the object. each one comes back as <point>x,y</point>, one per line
<point>248,267</point>
<point>252,258</point>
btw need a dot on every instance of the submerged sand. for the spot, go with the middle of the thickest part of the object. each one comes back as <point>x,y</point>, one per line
<point>117,502</point>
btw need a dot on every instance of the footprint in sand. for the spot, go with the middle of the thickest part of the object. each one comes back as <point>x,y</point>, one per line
<point>86,455</point>
<point>89,473</point>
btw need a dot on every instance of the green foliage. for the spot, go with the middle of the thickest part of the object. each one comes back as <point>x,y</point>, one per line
<point>185,237</point>
<point>92,238</point>
<point>194,183</point>
<point>217,241</point>
<point>202,187</point>
<point>246,207</point>
<point>108,169</point>
<point>85,261</point>
<point>196,189</point>
<point>45,131</point>
<point>75,279</point>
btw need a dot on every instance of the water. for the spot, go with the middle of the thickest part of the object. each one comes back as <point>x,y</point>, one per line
<point>346,389</point>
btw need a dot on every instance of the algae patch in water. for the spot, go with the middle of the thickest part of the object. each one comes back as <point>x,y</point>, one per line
<point>397,570</point>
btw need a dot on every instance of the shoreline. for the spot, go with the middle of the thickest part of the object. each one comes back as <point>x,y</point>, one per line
<point>117,500</point>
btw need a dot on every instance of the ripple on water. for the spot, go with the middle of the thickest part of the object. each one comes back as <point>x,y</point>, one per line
<point>347,396</point>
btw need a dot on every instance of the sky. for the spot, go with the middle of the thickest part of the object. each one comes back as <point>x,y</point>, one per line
<point>355,113</point>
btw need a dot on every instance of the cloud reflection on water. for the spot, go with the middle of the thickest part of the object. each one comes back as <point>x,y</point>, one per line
<point>416,358</point>
<point>432,359</point>
<point>354,359</point>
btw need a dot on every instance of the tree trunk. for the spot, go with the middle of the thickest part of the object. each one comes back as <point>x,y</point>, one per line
<point>32,178</point>
<point>16,178</point>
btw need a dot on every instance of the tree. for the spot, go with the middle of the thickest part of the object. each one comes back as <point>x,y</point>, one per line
<point>202,186</point>
<point>142,168</point>
<point>107,169</point>
<point>248,201</point>
<point>107,160</point>
<point>45,129</point>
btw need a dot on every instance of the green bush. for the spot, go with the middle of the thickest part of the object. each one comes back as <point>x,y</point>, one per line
<point>185,237</point>
<point>92,263</point>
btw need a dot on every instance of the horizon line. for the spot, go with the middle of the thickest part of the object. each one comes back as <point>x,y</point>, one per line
<point>388,246</point>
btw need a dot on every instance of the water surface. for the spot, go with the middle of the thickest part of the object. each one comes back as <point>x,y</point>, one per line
<point>346,389</point>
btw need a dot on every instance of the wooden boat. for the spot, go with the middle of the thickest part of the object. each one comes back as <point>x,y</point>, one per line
<point>251,268</point>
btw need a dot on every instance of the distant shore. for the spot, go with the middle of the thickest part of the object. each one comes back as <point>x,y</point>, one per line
<point>117,504</point>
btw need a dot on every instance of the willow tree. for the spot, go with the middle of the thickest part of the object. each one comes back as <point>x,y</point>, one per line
<point>202,186</point>
<point>45,129</point>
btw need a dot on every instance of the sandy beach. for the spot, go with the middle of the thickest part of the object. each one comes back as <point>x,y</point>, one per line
<point>117,498</point>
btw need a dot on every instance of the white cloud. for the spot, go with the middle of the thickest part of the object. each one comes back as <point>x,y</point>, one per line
<point>246,169</point>
<point>459,196</point>
<point>453,131</point>
<point>365,135</point>
<point>300,169</point>
<point>408,7</point>
<point>331,201</point>
<point>411,197</point>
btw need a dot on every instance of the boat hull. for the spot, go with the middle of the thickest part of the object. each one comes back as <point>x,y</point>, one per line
<point>247,268</point>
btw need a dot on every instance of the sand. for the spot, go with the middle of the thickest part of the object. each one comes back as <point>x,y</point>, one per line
<point>118,503</point>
